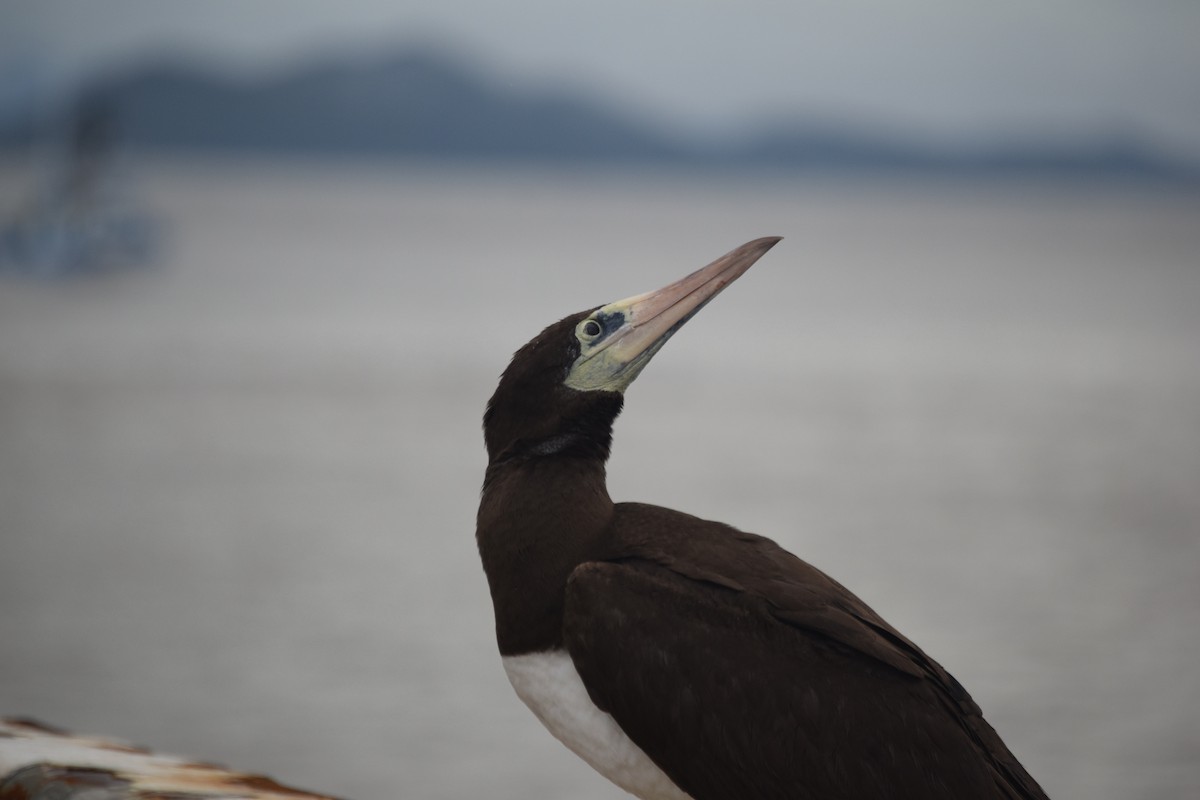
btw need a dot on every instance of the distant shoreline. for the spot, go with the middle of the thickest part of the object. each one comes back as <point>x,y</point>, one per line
<point>32,162</point>
<point>430,106</point>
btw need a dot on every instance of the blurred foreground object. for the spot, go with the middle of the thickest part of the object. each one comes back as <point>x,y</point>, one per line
<point>40,762</point>
<point>76,222</point>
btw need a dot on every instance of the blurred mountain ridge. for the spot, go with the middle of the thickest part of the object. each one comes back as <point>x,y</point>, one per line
<point>431,104</point>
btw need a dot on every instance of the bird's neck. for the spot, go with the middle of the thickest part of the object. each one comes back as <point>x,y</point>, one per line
<point>539,518</point>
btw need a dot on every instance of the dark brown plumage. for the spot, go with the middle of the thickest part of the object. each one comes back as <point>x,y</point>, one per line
<point>737,668</point>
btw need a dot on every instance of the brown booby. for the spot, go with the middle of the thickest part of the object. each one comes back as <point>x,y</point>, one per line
<point>683,658</point>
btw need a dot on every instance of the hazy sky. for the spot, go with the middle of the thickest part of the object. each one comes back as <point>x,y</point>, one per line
<point>949,68</point>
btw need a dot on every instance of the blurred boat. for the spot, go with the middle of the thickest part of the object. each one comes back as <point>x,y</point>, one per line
<point>53,240</point>
<point>77,222</point>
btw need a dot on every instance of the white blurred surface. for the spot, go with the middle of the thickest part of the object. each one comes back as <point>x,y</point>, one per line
<point>237,493</point>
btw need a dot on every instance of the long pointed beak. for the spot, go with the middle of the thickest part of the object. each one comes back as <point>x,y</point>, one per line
<point>619,339</point>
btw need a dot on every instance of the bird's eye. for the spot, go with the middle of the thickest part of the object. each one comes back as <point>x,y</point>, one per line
<point>591,328</point>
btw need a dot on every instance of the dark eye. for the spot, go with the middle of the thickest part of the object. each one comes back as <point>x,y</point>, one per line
<point>591,328</point>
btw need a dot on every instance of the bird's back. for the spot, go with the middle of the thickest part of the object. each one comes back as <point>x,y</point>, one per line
<point>755,674</point>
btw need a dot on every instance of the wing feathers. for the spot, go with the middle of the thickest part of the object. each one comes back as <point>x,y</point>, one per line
<point>687,616</point>
<point>701,679</point>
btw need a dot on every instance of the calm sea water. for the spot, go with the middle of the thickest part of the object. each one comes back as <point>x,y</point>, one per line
<point>237,491</point>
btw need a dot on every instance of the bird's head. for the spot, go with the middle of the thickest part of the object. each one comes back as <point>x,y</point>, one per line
<point>562,390</point>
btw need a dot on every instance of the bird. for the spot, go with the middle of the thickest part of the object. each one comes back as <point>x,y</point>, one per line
<point>682,657</point>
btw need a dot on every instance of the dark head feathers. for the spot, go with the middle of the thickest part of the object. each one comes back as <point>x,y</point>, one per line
<point>533,413</point>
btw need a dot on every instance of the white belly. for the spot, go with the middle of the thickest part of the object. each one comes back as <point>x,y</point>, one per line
<point>548,683</point>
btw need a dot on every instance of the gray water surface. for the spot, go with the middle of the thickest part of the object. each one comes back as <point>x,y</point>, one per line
<point>237,493</point>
